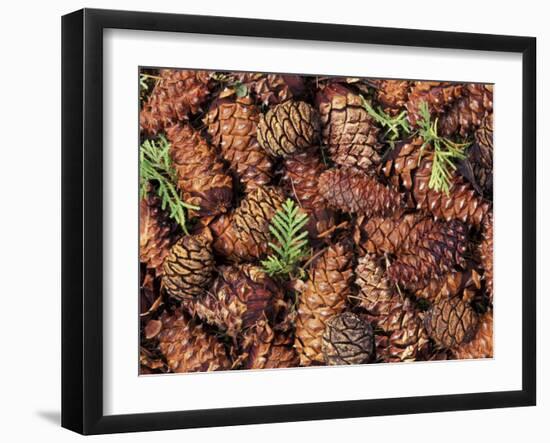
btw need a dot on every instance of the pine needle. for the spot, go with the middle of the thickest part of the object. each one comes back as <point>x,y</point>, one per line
<point>291,245</point>
<point>445,151</point>
<point>156,165</point>
<point>396,127</point>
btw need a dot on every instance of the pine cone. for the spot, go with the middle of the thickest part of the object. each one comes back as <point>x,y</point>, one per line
<point>486,253</point>
<point>157,232</point>
<point>481,345</point>
<point>189,266</point>
<point>289,127</point>
<point>263,348</point>
<point>451,322</point>
<point>272,89</point>
<point>177,94</point>
<point>187,347</point>
<point>240,296</point>
<point>350,190</point>
<point>244,235</point>
<point>232,124</point>
<point>301,181</point>
<point>392,95</point>
<point>465,285</point>
<point>201,175</point>
<point>467,112</point>
<point>439,96</point>
<point>349,131</point>
<point>323,297</point>
<point>348,340</point>
<point>481,156</point>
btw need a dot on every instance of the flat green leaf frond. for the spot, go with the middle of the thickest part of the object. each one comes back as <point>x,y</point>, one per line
<point>291,240</point>
<point>156,166</point>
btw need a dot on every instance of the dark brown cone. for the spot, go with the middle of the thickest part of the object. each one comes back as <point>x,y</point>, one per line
<point>481,345</point>
<point>240,296</point>
<point>481,156</point>
<point>348,131</point>
<point>244,235</point>
<point>460,203</point>
<point>323,297</point>
<point>201,175</point>
<point>438,95</point>
<point>467,112</point>
<point>287,128</point>
<point>272,89</point>
<point>348,340</point>
<point>176,95</point>
<point>351,190</point>
<point>232,124</point>
<point>451,322</point>
<point>157,232</point>
<point>486,254</point>
<point>301,181</point>
<point>465,285</point>
<point>264,348</point>
<point>189,266</point>
<point>187,347</point>
<point>392,95</point>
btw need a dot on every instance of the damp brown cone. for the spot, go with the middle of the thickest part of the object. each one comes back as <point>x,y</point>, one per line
<point>451,322</point>
<point>301,181</point>
<point>486,255</point>
<point>323,297</point>
<point>265,348</point>
<point>287,128</point>
<point>467,113</point>
<point>241,296</point>
<point>481,346</point>
<point>348,131</point>
<point>244,234</point>
<point>439,96</point>
<point>403,336</point>
<point>351,190</point>
<point>186,346</point>
<point>464,284</point>
<point>201,176</point>
<point>272,89</point>
<point>392,95</point>
<point>232,124</point>
<point>348,340</point>
<point>177,94</point>
<point>157,232</point>
<point>481,156</point>
<point>188,269</point>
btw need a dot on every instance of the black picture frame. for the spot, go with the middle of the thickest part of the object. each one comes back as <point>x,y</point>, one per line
<point>82,216</point>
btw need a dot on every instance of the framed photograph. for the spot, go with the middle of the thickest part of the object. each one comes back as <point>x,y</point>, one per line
<point>273,221</point>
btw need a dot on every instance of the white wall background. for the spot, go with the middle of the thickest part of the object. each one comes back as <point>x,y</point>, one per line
<point>30,221</point>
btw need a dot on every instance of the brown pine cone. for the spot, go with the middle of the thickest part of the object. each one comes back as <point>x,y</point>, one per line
<point>392,95</point>
<point>451,322</point>
<point>481,345</point>
<point>467,113</point>
<point>186,346</point>
<point>351,190</point>
<point>201,175</point>
<point>244,235</point>
<point>264,348</point>
<point>349,132</point>
<point>189,266</point>
<point>347,340</point>
<point>439,97</point>
<point>157,232</point>
<point>177,94</point>
<point>465,285</point>
<point>480,156</point>
<point>486,254</point>
<point>289,127</point>
<point>240,296</point>
<point>232,124</point>
<point>323,297</point>
<point>272,89</point>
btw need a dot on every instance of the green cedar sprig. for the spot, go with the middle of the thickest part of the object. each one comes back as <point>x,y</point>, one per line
<point>445,151</point>
<point>396,127</point>
<point>156,165</point>
<point>292,244</point>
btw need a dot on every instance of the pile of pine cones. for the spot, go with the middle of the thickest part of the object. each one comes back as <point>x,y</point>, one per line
<point>396,270</point>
